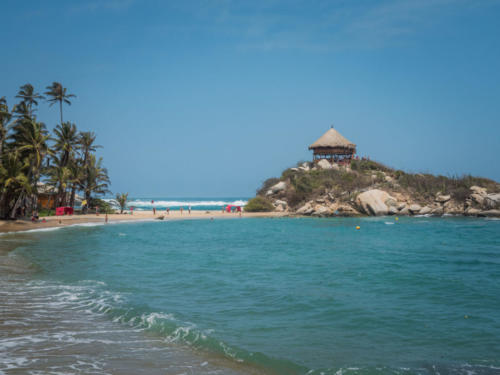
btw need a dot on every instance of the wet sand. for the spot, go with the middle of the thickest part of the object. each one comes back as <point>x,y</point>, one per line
<point>58,221</point>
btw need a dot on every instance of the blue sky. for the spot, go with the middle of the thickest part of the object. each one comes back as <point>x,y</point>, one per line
<point>210,98</point>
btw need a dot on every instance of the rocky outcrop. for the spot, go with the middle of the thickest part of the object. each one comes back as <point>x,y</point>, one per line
<point>373,202</point>
<point>305,167</point>
<point>280,205</point>
<point>442,198</point>
<point>280,186</point>
<point>426,210</point>
<point>492,201</point>
<point>377,192</point>
<point>393,210</point>
<point>490,213</point>
<point>415,208</point>
<point>453,208</point>
<point>478,190</point>
<point>306,209</point>
<point>320,210</point>
<point>325,164</point>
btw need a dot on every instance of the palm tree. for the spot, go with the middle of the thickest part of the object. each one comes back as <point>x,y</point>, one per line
<point>59,176</point>
<point>14,182</point>
<point>76,176</point>
<point>21,111</point>
<point>31,143</point>
<point>122,201</point>
<point>29,96</point>
<point>66,141</point>
<point>57,93</point>
<point>86,145</point>
<point>96,178</point>
<point>5,117</point>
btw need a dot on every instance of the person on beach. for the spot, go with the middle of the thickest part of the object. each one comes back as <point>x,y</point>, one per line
<point>189,209</point>
<point>168,210</point>
<point>181,210</point>
<point>106,218</point>
<point>97,210</point>
<point>154,208</point>
<point>131,210</point>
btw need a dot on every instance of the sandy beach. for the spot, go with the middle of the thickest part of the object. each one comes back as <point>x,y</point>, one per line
<point>56,221</point>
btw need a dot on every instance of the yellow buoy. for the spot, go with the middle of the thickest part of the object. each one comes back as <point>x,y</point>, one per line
<point>397,218</point>
<point>358,227</point>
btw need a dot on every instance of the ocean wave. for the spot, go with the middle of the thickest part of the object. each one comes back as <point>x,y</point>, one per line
<point>50,229</point>
<point>141,203</point>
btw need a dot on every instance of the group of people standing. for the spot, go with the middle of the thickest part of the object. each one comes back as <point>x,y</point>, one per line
<point>167,209</point>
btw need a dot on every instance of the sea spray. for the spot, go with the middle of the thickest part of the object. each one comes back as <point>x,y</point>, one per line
<point>195,204</point>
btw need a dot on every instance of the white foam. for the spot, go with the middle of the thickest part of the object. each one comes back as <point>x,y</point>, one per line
<point>198,203</point>
<point>33,230</point>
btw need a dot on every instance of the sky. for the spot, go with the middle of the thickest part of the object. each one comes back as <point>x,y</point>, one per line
<point>210,98</point>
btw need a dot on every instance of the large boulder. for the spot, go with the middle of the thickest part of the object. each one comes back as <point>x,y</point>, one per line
<point>492,201</point>
<point>478,190</point>
<point>306,209</point>
<point>438,211</point>
<point>320,210</point>
<point>374,202</point>
<point>279,203</point>
<point>279,209</point>
<point>477,198</point>
<point>490,213</point>
<point>305,167</point>
<point>453,208</point>
<point>472,211</point>
<point>343,209</point>
<point>393,210</point>
<point>280,186</point>
<point>443,198</point>
<point>415,208</point>
<point>324,164</point>
<point>425,210</point>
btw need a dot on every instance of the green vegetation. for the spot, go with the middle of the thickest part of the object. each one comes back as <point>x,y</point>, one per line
<point>345,183</point>
<point>259,204</point>
<point>31,157</point>
<point>428,185</point>
<point>104,207</point>
<point>122,201</point>
<point>305,185</point>
<point>267,184</point>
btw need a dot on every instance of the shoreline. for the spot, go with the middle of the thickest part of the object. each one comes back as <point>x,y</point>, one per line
<point>52,222</point>
<point>13,226</point>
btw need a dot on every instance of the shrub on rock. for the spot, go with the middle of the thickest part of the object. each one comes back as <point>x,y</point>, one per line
<point>259,204</point>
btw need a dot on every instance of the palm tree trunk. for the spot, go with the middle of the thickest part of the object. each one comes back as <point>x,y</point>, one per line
<point>72,198</point>
<point>16,205</point>
<point>3,204</point>
<point>60,109</point>
<point>87,198</point>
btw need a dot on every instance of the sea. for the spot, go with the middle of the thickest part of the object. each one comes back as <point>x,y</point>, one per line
<point>416,295</point>
<point>204,204</point>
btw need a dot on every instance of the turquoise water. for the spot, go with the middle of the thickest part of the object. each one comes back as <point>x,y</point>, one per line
<point>292,296</point>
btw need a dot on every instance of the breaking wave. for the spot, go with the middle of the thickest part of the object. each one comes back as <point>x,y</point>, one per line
<point>203,204</point>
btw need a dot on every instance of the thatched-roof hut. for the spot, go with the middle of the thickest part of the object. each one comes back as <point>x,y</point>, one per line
<point>333,146</point>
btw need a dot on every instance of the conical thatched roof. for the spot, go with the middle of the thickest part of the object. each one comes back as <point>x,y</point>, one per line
<point>332,138</point>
